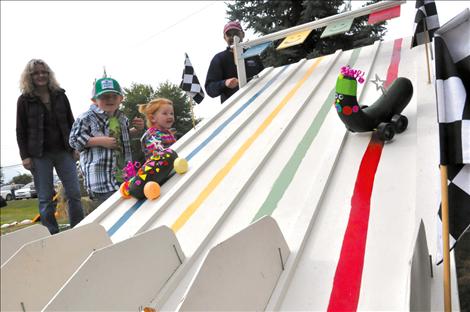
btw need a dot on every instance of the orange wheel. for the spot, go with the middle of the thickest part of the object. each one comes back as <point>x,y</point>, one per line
<point>152,190</point>
<point>124,190</point>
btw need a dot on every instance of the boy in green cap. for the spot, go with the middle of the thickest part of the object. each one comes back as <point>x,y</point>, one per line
<point>102,136</point>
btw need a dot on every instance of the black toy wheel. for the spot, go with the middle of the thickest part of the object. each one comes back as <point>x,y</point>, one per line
<point>9,197</point>
<point>400,123</point>
<point>386,131</point>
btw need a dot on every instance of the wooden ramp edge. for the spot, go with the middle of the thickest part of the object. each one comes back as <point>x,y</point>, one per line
<point>12,242</point>
<point>123,276</point>
<point>36,272</point>
<point>241,272</point>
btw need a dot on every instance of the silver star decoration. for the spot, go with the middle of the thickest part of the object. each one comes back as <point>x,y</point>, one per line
<point>379,83</point>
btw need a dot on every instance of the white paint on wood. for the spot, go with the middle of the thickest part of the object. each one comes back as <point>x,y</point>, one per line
<point>123,276</point>
<point>241,272</point>
<point>12,242</point>
<point>33,275</point>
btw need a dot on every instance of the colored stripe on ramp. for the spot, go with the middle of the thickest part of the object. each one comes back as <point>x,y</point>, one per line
<point>347,281</point>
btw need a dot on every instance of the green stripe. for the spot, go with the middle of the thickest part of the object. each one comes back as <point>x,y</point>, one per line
<point>288,172</point>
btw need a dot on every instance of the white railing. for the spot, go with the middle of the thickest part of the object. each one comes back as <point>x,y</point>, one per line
<point>239,46</point>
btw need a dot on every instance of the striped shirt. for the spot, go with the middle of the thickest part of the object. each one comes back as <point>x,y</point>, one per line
<point>156,140</point>
<point>97,162</point>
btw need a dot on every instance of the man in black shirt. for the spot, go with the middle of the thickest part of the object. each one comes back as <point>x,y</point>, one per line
<point>222,78</point>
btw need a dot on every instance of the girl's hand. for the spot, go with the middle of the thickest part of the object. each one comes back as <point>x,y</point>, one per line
<point>28,163</point>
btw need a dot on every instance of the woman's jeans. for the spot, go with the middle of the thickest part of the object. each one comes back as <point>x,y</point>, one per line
<point>65,167</point>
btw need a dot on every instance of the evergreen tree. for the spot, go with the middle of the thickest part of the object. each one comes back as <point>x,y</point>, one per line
<point>269,16</point>
<point>135,95</point>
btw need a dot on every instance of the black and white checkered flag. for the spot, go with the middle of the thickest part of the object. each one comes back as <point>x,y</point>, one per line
<point>459,206</point>
<point>453,90</point>
<point>453,105</point>
<point>426,19</point>
<point>190,83</point>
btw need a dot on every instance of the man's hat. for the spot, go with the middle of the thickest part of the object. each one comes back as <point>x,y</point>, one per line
<point>106,85</point>
<point>232,25</point>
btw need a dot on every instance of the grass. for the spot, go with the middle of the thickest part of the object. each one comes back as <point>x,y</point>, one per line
<point>19,210</point>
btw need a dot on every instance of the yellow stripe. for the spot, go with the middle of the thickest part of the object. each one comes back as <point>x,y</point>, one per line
<point>184,217</point>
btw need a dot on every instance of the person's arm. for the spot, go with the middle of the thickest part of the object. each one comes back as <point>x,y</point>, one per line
<point>215,83</point>
<point>70,118</point>
<point>22,128</point>
<point>80,137</point>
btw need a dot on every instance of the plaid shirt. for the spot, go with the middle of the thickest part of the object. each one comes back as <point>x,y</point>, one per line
<point>98,162</point>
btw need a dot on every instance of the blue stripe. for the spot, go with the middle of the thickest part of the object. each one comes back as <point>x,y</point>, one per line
<point>219,129</point>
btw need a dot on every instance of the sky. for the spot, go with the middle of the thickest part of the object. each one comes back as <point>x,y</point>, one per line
<point>136,41</point>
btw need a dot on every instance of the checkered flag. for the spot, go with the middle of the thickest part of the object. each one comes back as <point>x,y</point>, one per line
<point>453,106</point>
<point>190,83</point>
<point>426,20</point>
<point>459,206</point>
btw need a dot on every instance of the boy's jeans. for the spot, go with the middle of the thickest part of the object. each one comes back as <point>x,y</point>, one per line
<point>65,167</point>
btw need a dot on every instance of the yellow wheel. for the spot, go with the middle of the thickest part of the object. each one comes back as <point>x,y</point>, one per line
<point>152,190</point>
<point>180,165</point>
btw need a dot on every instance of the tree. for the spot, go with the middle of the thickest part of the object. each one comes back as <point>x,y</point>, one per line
<point>268,16</point>
<point>22,179</point>
<point>134,96</point>
<point>141,94</point>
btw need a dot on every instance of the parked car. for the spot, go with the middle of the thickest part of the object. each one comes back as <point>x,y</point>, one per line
<point>28,191</point>
<point>8,191</point>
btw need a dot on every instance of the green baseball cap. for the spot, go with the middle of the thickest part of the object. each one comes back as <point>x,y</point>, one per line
<point>106,85</point>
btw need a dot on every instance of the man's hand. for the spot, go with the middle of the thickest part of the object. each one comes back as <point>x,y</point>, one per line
<point>28,163</point>
<point>231,83</point>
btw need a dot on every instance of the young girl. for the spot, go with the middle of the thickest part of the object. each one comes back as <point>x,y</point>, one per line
<point>160,117</point>
<point>160,159</point>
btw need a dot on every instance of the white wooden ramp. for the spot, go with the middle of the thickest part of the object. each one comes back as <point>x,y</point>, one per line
<point>36,272</point>
<point>240,273</point>
<point>123,276</point>
<point>277,149</point>
<point>12,242</point>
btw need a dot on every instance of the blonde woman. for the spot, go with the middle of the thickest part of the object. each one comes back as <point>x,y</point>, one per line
<point>43,122</point>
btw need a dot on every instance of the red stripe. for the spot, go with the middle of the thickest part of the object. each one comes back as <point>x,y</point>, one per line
<point>347,281</point>
<point>392,72</point>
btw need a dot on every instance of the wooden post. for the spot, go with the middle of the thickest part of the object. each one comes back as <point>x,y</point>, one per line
<point>239,62</point>
<point>192,112</point>
<point>426,41</point>
<point>445,238</point>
